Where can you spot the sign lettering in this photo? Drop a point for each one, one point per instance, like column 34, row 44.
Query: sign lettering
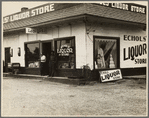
column 64, row 50
column 127, row 6
column 135, row 51
column 30, row 13
column 110, row 75
column 134, row 38
column 132, row 52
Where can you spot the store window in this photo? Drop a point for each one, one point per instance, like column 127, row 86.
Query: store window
column 105, row 55
column 65, row 49
column 32, row 55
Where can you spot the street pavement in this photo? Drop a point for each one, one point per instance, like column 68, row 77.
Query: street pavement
column 36, row 97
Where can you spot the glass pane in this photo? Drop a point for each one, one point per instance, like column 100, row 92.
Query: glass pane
column 105, row 53
column 32, row 55
column 65, row 53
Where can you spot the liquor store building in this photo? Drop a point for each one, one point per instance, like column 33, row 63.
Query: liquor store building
column 103, row 36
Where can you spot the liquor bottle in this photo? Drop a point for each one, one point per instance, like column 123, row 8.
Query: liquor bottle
column 111, row 65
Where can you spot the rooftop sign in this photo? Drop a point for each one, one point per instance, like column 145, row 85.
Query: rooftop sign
column 57, row 6
column 29, row 13
column 127, row 6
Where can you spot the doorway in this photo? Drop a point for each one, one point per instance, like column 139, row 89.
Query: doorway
column 46, row 50
column 7, row 59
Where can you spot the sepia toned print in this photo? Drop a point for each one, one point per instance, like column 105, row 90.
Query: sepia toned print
column 75, row 59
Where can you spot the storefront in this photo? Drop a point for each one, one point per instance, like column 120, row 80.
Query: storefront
column 103, row 36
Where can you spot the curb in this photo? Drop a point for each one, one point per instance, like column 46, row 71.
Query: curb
column 135, row 77
column 53, row 79
column 64, row 80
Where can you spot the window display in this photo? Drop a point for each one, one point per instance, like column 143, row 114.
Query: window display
column 32, row 55
column 65, row 53
column 105, row 53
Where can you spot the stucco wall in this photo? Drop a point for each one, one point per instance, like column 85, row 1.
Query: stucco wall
column 112, row 30
column 83, row 41
column 77, row 30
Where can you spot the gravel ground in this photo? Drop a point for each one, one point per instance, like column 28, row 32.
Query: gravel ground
column 31, row 97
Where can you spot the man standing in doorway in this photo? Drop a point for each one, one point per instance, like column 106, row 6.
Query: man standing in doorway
column 52, row 64
column 43, row 64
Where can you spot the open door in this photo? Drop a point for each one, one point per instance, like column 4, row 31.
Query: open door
column 7, row 58
column 46, row 50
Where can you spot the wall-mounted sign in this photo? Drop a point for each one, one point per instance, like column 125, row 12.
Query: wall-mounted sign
column 31, row 30
column 127, row 6
column 36, row 30
column 42, row 30
column 135, row 52
column 110, row 75
column 134, row 38
column 64, row 50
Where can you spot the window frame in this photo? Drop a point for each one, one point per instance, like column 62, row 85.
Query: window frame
column 118, row 51
column 55, row 48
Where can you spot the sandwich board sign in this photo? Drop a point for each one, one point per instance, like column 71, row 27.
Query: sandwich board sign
column 110, row 75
